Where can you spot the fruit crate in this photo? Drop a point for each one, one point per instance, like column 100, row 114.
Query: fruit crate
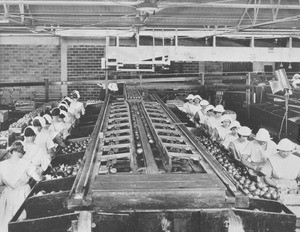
column 25, row 105
column 92, row 109
column 18, row 127
column 63, row 166
column 82, row 131
column 47, row 211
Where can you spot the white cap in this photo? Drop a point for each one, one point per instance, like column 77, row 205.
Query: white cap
column 219, row 108
column 190, row 97
column 197, row 96
column 208, row 108
column 235, row 124
column 296, row 77
column 32, row 128
column 226, row 117
column 63, row 104
column 64, row 113
column 286, row 145
column 244, row 131
column 263, row 135
column 76, row 92
column 204, row 103
column 48, row 118
column 41, row 120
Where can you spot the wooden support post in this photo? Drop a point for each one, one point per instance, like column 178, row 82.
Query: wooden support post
column 46, row 90
column 202, row 79
column 286, row 111
column 105, row 55
column 84, row 221
column 63, row 67
column 248, row 96
column 176, row 38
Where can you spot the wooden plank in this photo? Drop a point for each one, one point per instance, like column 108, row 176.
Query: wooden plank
column 46, row 224
column 163, row 200
column 156, row 186
column 203, row 177
column 115, row 156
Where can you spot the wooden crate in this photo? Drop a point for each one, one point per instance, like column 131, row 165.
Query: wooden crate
column 48, row 212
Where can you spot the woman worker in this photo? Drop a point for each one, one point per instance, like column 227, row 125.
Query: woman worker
column 237, row 146
column 187, row 106
column 282, row 168
column 215, row 120
column 35, row 153
column 219, row 132
column 200, row 113
column 14, row 174
column 257, row 151
column 45, row 138
column 196, row 105
column 76, row 107
column 233, row 135
column 58, row 127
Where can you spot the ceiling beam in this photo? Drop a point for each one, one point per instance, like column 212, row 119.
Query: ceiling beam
column 163, row 4
column 244, row 14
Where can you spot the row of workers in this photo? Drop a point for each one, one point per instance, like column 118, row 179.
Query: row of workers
column 31, row 157
column 276, row 164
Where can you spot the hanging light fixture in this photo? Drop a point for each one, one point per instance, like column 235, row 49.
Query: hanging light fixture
column 281, row 65
column 290, row 66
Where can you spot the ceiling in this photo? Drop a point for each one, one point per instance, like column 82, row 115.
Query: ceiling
column 220, row 16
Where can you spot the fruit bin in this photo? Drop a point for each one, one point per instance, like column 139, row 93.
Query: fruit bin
column 63, row 166
column 82, row 131
column 47, row 212
column 75, row 145
column 93, row 109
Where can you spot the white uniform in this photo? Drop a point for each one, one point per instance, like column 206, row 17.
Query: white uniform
column 77, row 109
column 14, row 175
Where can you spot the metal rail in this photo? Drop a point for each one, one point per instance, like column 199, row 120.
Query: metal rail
column 80, row 186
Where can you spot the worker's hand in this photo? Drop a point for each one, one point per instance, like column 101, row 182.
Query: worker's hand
column 282, row 187
column 258, row 168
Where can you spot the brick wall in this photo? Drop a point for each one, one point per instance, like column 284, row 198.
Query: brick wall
column 215, row 67
column 29, row 63
column 84, row 63
column 185, row 67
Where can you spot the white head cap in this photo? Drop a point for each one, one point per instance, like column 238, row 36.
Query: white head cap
column 48, row 118
column 263, row 135
column 219, row 108
column 226, row 117
column 244, row 131
column 204, row 103
column 208, row 108
column 286, row 145
column 41, row 120
column 235, row 124
column 197, row 96
column 76, row 92
column 296, row 77
column 190, row 97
